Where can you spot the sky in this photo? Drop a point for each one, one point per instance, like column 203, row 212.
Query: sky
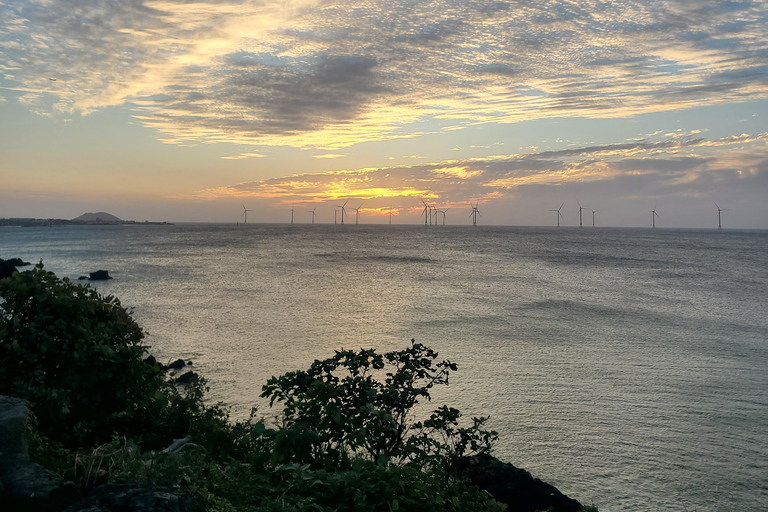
column 192, row 111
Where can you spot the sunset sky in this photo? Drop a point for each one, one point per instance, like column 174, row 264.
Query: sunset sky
column 170, row 110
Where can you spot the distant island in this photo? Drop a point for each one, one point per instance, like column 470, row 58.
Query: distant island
column 86, row 219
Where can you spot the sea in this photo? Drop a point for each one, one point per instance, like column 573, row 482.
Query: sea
column 628, row 367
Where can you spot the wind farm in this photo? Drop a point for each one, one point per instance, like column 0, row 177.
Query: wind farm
column 434, row 215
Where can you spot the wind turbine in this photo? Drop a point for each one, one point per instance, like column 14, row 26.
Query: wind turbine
column 443, row 212
column 245, row 214
column 654, row 215
column 390, row 215
column 343, row 211
column 357, row 213
column 291, row 215
column 719, row 225
column 593, row 215
column 425, row 212
column 312, row 211
column 558, row 214
column 475, row 212
column 580, row 208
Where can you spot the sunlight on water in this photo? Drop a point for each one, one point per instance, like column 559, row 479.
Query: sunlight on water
column 627, row 367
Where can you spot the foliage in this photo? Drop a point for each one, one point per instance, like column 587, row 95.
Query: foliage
column 337, row 410
column 76, row 356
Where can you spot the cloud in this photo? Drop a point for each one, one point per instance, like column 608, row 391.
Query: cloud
column 684, row 166
column 317, row 73
column 329, row 156
column 243, row 156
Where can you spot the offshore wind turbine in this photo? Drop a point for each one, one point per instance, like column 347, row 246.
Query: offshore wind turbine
column 654, row 215
column 357, row 213
column 475, row 212
column 390, row 215
column 426, row 211
column 291, row 215
column 580, row 208
column 443, row 212
column 343, row 211
column 312, row 211
column 245, row 214
column 719, row 225
column 593, row 215
column 558, row 214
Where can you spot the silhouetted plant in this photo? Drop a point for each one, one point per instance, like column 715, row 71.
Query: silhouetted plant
column 76, row 356
column 338, row 410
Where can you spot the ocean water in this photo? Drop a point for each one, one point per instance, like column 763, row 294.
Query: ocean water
column 628, row 367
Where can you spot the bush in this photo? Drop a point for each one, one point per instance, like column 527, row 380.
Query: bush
column 338, row 410
column 76, row 356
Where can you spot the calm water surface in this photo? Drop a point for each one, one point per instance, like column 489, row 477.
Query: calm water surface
column 627, row 367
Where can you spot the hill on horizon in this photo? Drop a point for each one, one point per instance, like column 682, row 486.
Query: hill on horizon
column 97, row 217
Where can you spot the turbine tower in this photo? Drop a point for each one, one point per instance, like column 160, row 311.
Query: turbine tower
column 390, row 215
column 475, row 212
column 426, row 211
column 443, row 212
column 291, row 215
column 558, row 214
column 357, row 213
column 343, row 211
column 719, row 225
column 245, row 214
column 593, row 215
column 654, row 215
column 312, row 211
column 580, row 208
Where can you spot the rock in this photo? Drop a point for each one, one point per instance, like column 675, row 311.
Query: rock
column 181, row 445
column 24, row 485
column 18, row 262
column 187, row 378
column 515, row 487
column 151, row 360
column 13, row 422
column 127, row 498
column 177, row 364
column 99, row 275
column 8, row 267
column 82, row 278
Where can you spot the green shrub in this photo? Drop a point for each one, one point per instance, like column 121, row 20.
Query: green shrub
column 361, row 404
column 76, row 356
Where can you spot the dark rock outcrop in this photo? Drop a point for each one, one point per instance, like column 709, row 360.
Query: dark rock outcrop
column 177, row 364
column 8, row 267
column 99, row 275
column 515, row 487
column 187, row 378
column 24, row 485
column 127, row 498
column 152, row 361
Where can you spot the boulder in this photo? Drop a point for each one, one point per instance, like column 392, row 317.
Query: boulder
column 187, row 378
column 127, row 498
column 8, row 267
column 24, row 485
column 99, row 275
column 515, row 487
column 177, row 364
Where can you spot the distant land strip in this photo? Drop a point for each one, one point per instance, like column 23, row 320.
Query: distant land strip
column 87, row 219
